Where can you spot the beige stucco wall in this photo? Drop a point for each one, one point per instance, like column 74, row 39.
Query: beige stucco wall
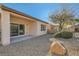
column 18, row 20
column 5, row 27
column 33, row 29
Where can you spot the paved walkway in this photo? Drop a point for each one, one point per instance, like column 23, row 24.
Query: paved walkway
column 31, row 47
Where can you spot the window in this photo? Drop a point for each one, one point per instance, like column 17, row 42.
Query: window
column 17, row 29
column 21, row 29
column 43, row 27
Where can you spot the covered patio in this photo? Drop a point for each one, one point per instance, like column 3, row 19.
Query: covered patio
column 15, row 27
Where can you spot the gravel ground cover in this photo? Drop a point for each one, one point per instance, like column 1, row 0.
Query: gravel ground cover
column 37, row 46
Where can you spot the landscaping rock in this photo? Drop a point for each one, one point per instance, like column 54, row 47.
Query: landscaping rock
column 57, row 48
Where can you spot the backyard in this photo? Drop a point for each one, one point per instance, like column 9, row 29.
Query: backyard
column 39, row 46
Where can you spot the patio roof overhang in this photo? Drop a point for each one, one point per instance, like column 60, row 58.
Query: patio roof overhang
column 20, row 14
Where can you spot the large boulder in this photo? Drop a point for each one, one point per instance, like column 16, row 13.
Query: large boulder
column 56, row 48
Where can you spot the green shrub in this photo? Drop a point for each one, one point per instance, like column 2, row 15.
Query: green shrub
column 64, row 34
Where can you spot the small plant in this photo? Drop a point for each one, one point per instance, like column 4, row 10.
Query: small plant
column 64, row 34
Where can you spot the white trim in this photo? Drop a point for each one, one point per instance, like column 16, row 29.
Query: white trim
column 17, row 36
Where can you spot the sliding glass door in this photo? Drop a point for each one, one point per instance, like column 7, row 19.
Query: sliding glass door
column 14, row 29
column 17, row 29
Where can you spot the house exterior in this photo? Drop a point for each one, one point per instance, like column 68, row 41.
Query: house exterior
column 77, row 27
column 14, row 23
column 68, row 26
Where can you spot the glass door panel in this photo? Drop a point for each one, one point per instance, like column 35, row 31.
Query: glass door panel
column 14, row 29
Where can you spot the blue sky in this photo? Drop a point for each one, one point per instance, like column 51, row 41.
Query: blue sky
column 38, row 10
